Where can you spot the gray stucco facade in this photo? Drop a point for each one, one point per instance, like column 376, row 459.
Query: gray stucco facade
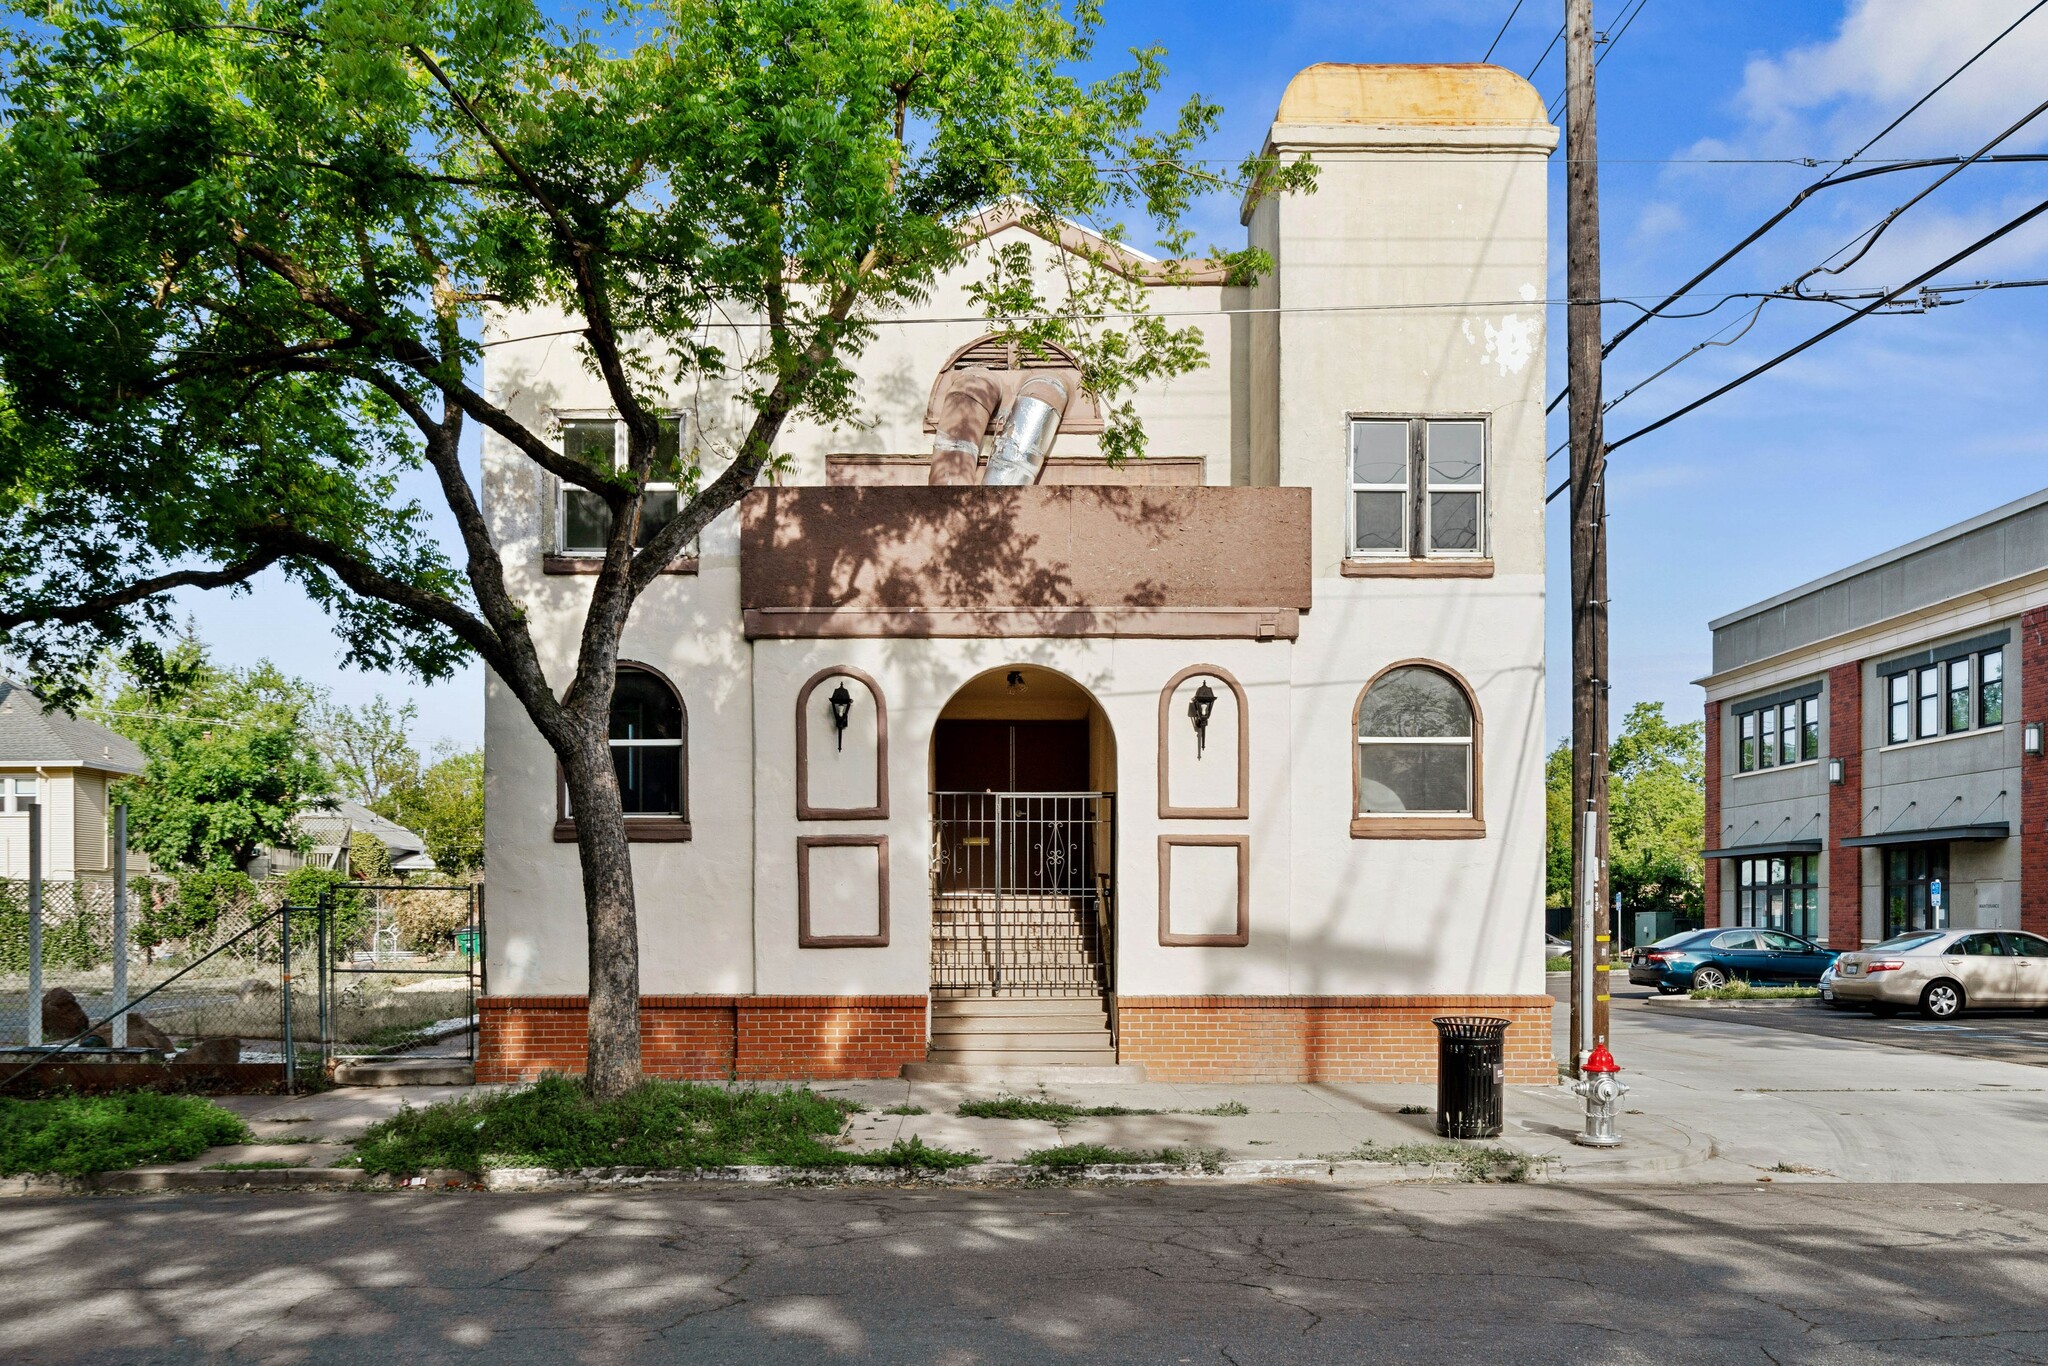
column 1866, row 732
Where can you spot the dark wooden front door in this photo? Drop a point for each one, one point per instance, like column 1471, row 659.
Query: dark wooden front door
column 1010, row 756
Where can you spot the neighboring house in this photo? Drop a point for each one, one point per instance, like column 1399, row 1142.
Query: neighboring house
column 62, row 764
column 1871, row 768
column 914, row 772
column 328, row 831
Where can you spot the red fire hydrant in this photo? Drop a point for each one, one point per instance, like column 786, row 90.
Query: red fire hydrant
column 1603, row 1092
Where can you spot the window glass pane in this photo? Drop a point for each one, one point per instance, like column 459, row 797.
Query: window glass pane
column 1959, row 694
column 1376, row 523
column 1788, row 743
column 1426, row 778
column 593, row 443
column 1454, row 521
column 668, row 447
column 1379, row 453
column 1930, row 701
column 1746, row 870
column 650, row 778
column 1991, row 689
column 644, row 709
column 1811, row 731
column 1414, row 702
column 1457, row 452
column 657, row 510
column 1736, row 939
column 2029, row 945
column 586, row 521
column 1767, row 739
column 1748, row 759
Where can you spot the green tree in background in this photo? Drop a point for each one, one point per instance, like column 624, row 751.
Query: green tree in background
column 443, row 803
column 231, row 760
column 1656, row 794
column 368, row 747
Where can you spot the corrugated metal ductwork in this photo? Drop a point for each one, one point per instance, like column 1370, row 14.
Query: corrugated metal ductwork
column 1029, row 405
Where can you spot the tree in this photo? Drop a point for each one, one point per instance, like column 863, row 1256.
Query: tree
column 444, row 805
column 368, row 748
column 1656, row 813
column 231, row 762
column 247, row 245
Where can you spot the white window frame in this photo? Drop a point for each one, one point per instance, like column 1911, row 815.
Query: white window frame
column 567, row 419
column 1417, row 533
column 12, row 791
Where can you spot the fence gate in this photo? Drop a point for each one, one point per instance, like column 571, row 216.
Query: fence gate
column 1023, row 893
column 401, row 966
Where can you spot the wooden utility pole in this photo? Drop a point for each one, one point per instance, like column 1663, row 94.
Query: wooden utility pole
column 1592, row 931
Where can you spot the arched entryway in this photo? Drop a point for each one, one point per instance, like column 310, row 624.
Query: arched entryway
column 1023, row 769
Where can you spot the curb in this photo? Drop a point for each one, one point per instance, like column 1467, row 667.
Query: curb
column 1779, row 1002
column 159, row 1182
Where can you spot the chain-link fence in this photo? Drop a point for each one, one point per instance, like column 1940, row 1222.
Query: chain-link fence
column 211, row 950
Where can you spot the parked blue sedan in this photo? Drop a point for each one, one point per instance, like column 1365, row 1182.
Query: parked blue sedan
column 1704, row 959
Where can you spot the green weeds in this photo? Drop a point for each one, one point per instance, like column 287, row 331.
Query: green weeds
column 1743, row 991
column 80, row 1135
column 657, row 1124
column 262, row 1164
column 1470, row 1162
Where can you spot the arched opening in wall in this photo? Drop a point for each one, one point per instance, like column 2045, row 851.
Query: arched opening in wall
column 1023, row 769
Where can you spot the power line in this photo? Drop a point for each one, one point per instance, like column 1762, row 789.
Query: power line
column 1929, row 298
column 1830, row 178
column 1607, row 45
column 1889, row 296
column 1503, row 31
column 1546, row 54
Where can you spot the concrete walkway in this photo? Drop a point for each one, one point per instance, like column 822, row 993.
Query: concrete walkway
column 1712, row 1100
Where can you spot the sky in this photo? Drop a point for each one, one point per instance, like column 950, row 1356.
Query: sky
column 1898, row 426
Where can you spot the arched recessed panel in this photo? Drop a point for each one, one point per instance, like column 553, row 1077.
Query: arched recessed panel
column 1206, row 774
column 842, row 773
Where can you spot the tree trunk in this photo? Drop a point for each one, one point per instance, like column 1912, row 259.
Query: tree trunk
column 612, row 1064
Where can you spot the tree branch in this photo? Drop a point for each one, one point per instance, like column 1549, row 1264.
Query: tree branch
column 85, row 609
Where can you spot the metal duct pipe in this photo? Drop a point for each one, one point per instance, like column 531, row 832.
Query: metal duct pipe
column 1018, row 457
column 967, row 403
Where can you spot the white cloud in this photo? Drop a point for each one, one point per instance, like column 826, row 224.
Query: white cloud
column 1887, row 54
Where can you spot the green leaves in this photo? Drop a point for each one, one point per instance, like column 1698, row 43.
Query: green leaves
column 1656, row 813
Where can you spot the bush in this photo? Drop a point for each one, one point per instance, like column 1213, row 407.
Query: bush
column 428, row 916
column 353, row 914
column 659, row 1124
column 80, row 1135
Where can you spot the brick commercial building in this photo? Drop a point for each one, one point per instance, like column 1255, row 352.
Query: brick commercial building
column 1874, row 742
column 1224, row 764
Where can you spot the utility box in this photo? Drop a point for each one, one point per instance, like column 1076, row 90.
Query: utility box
column 1650, row 926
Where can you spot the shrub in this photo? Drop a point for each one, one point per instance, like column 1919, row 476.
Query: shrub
column 80, row 1135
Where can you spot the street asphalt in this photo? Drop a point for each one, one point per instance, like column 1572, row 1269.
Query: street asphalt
column 1265, row 1274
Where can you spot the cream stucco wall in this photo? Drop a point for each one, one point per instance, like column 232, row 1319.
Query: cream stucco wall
column 1410, row 283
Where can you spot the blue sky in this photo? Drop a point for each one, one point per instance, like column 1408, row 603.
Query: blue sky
column 1898, row 426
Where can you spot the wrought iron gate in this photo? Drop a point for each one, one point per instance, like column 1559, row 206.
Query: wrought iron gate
column 1023, row 893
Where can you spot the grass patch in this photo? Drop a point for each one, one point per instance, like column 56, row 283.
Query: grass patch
column 1471, row 1162
column 1413, row 1110
column 657, row 1124
column 261, row 1164
column 1055, row 1111
column 1558, row 963
column 905, row 1110
column 1743, row 991
column 1072, row 1157
column 1228, row 1109
column 80, row 1135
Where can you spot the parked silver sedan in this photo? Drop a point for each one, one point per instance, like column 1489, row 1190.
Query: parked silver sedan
column 1942, row 971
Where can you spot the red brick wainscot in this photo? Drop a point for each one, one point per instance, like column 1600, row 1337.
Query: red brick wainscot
column 711, row 1038
column 1319, row 1038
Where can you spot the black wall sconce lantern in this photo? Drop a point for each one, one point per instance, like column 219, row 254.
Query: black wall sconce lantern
column 1199, row 708
column 842, row 711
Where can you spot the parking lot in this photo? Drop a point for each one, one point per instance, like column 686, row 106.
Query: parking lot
column 2019, row 1036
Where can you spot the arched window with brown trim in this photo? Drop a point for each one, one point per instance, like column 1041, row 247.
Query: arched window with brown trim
column 649, row 736
column 1416, row 770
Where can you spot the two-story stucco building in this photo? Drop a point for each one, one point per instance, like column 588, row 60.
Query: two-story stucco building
column 1869, row 767
column 1226, row 764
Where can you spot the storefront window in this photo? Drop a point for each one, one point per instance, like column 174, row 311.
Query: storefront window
column 1779, row 893
column 1916, row 895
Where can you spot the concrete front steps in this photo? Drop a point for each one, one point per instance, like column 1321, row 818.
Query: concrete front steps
column 1025, row 1040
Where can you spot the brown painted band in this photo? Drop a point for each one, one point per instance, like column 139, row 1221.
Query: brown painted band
column 1416, row 569
column 1155, row 623
column 651, row 830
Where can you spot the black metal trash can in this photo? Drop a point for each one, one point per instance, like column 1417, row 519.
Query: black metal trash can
column 1469, row 1073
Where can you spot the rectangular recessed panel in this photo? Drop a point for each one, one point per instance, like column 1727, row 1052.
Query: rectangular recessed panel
column 1202, row 881
column 844, row 885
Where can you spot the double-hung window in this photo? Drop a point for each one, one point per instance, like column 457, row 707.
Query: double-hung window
column 1418, row 488
column 1953, row 694
column 583, row 521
